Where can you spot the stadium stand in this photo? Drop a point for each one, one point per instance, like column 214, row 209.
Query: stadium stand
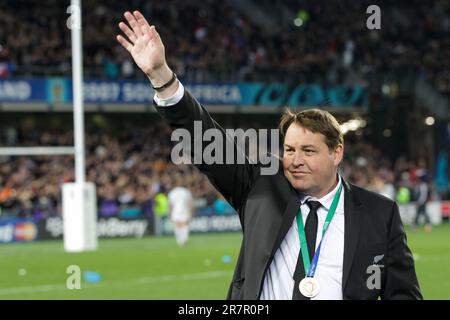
column 214, row 41
column 209, row 41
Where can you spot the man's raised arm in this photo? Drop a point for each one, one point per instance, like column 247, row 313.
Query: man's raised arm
column 181, row 110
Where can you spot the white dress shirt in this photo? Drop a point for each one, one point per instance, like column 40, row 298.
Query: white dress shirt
column 279, row 282
column 174, row 99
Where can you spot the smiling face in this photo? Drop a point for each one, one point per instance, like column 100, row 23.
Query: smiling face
column 308, row 163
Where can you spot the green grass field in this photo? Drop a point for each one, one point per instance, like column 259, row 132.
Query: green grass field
column 155, row 268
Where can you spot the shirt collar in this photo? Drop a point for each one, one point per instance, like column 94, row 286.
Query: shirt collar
column 326, row 200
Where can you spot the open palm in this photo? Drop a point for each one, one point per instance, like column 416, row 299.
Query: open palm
column 144, row 43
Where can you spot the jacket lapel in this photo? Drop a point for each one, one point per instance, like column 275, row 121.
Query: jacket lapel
column 353, row 213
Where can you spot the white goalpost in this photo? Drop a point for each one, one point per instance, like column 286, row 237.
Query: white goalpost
column 36, row 151
column 79, row 200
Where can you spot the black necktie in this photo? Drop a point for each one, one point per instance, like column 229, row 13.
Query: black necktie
column 311, row 235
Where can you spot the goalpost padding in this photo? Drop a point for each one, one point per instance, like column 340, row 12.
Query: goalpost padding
column 79, row 217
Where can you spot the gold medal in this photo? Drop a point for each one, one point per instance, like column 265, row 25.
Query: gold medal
column 309, row 287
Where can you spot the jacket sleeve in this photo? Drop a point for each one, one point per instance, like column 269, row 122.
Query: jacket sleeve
column 401, row 280
column 233, row 180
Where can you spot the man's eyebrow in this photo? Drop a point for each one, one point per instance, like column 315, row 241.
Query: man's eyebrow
column 304, row 146
column 308, row 146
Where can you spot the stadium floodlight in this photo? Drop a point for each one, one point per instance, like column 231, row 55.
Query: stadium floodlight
column 79, row 198
column 429, row 121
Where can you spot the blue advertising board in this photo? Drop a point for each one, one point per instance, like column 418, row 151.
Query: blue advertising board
column 58, row 90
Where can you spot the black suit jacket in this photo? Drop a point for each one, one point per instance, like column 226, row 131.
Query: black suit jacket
column 268, row 204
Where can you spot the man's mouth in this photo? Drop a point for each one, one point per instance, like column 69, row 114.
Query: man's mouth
column 299, row 173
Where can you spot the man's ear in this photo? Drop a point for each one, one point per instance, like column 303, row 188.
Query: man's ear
column 338, row 154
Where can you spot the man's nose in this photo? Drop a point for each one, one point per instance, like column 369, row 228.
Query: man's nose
column 298, row 160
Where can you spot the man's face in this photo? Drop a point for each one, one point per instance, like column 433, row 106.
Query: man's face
column 309, row 165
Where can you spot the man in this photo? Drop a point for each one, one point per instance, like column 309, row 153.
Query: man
column 180, row 212
column 363, row 254
column 421, row 191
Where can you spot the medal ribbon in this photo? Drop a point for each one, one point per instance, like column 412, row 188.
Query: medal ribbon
column 310, row 267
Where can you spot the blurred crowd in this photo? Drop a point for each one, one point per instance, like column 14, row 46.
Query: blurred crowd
column 131, row 169
column 367, row 166
column 216, row 41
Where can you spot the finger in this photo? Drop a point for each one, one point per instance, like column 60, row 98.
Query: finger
column 126, row 29
column 124, row 43
column 133, row 23
column 147, row 30
column 153, row 33
column 142, row 22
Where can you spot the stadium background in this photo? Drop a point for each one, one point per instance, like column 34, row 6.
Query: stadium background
column 245, row 60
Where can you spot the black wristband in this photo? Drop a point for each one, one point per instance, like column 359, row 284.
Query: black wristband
column 172, row 80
